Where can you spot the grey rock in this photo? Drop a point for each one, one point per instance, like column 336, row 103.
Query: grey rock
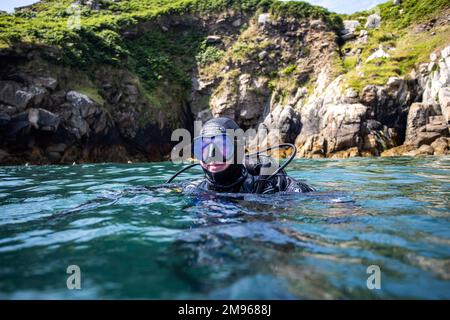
column 441, row 146
column 426, row 138
column 285, row 122
column 350, row 26
column 243, row 99
column 435, row 76
column 78, row 126
column 38, row 94
column 330, row 128
column 418, row 117
column 348, row 36
column 11, row 93
column 10, row 110
column 263, row 18
column 444, row 101
column 424, row 150
column 83, row 103
column 262, row 55
column 373, row 21
column 442, row 129
column 46, row 82
column 237, row 23
column 213, row 39
column 379, row 54
column 43, row 120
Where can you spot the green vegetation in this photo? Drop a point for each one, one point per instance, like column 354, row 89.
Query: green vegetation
column 414, row 11
column 406, row 46
column 208, row 54
column 129, row 34
column 302, row 10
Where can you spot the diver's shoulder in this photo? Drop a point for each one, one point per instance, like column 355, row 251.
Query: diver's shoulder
column 298, row 186
column 195, row 185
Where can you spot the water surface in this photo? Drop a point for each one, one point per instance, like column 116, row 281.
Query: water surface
column 130, row 242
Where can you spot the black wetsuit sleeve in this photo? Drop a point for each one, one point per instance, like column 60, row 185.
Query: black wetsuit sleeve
column 283, row 183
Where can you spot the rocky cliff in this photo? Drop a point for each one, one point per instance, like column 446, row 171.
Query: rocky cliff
column 116, row 86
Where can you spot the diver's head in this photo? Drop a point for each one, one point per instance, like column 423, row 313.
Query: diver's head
column 219, row 152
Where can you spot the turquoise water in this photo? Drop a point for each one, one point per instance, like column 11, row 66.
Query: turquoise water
column 130, row 242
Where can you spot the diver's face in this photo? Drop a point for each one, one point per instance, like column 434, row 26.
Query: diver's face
column 214, row 167
column 215, row 153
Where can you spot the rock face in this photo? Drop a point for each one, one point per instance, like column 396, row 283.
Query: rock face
column 373, row 21
column 243, row 89
column 244, row 102
column 44, row 121
column 274, row 73
column 330, row 129
column 428, row 126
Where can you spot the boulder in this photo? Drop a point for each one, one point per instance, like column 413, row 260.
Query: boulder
column 263, row 18
column 398, row 151
column 11, row 93
column 46, row 82
column 43, row 120
column 348, row 36
column 350, row 26
column 284, row 120
column 418, row 117
column 441, row 146
column 82, row 102
column 213, row 39
column 38, row 94
column 379, row 54
column 425, row 138
column 424, row 150
column 262, row 55
column 78, row 126
column 330, row 128
column 444, row 101
column 373, row 21
column 9, row 110
column 237, row 23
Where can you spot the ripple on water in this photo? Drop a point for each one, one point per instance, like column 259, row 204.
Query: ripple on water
column 136, row 243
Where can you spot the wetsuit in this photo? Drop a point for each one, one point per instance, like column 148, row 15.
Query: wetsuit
column 242, row 176
column 249, row 184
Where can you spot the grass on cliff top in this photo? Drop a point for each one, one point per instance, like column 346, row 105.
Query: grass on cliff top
column 161, row 60
column 47, row 21
column 408, row 13
column 406, row 47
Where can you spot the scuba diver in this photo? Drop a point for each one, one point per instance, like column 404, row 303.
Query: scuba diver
column 227, row 169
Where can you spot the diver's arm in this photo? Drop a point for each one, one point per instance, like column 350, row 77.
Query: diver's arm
column 283, row 183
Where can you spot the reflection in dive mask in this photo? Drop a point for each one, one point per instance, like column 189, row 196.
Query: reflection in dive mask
column 218, row 148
